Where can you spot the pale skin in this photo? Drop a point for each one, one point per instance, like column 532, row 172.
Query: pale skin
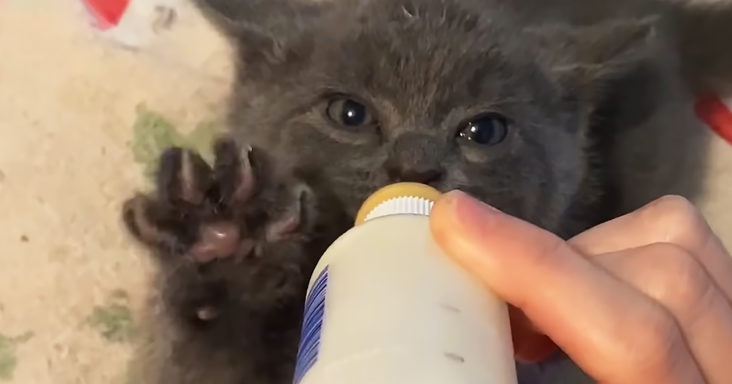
column 644, row 298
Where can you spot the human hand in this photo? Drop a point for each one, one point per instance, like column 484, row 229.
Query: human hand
column 644, row 298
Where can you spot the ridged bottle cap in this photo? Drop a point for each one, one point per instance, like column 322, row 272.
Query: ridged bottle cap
column 398, row 199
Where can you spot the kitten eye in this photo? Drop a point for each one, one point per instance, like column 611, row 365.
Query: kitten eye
column 348, row 113
column 486, row 129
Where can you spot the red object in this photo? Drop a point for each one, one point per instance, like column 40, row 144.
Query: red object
column 716, row 114
column 106, row 13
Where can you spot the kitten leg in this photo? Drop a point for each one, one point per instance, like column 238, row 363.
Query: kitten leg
column 201, row 214
column 234, row 249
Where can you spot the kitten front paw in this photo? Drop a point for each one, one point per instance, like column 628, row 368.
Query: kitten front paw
column 227, row 237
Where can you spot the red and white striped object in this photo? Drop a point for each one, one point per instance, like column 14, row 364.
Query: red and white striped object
column 133, row 23
column 716, row 112
column 106, row 14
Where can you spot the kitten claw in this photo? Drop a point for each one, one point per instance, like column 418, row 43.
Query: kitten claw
column 136, row 219
column 247, row 187
column 282, row 228
column 183, row 177
column 292, row 221
column 234, row 170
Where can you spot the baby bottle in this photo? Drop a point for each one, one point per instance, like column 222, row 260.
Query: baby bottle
column 385, row 305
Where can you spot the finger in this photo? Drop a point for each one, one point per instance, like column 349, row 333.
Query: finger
column 671, row 219
column 675, row 279
column 579, row 305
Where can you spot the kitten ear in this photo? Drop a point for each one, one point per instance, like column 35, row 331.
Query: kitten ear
column 262, row 26
column 583, row 58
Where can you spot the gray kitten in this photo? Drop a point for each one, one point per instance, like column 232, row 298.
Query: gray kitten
column 562, row 112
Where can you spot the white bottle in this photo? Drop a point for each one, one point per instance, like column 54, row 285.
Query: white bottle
column 387, row 306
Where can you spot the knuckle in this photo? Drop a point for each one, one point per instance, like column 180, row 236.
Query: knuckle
column 673, row 203
column 677, row 214
column 657, row 343
column 546, row 252
column 681, row 282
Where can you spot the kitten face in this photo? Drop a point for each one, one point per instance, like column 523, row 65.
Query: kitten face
column 365, row 93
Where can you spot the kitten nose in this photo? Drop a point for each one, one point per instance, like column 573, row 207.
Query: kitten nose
column 415, row 157
column 424, row 176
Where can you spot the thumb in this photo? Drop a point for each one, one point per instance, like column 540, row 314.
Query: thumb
column 566, row 296
column 460, row 239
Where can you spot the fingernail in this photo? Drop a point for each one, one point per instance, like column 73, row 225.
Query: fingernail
column 469, row 210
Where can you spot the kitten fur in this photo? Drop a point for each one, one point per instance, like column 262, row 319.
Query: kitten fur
column 597, row 97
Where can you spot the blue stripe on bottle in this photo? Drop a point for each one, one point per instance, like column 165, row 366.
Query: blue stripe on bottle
column 307, row 352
